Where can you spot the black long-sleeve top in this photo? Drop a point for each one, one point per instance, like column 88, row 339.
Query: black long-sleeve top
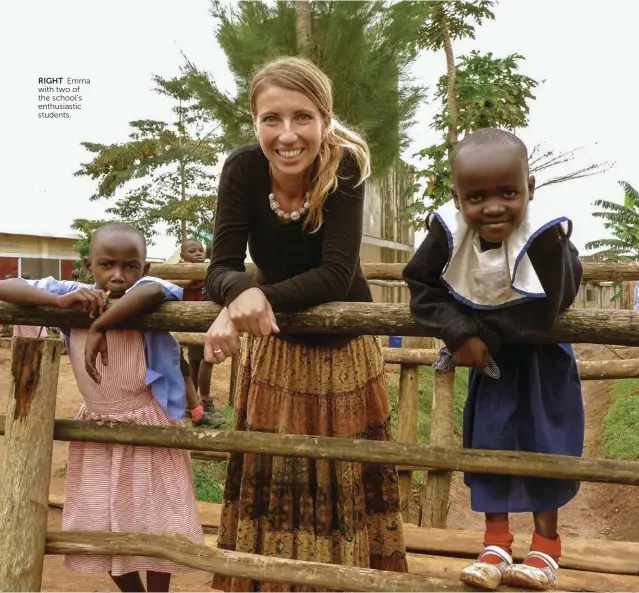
column 297, row 269
column 555, row 260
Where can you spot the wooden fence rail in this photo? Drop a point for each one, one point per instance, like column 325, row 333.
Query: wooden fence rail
column 238, row 564
column 594, row 326
column 361, row 451
column 588, row 369
column 593, row 271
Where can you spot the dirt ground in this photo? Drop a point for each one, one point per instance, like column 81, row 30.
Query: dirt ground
column 599, row 511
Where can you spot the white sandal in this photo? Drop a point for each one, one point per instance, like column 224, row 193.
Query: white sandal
column 531, row 577
column 483, row 575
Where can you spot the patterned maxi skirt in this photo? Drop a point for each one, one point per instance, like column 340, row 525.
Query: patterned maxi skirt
column 333, row 512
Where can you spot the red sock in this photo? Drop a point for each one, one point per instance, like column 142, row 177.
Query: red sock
column 552, row 547
column 497, row 534
column 197, row 413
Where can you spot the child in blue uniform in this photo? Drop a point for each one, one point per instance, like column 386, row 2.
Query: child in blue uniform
column 495, row 267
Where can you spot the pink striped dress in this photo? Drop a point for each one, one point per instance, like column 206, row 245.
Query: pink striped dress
column 122, row 488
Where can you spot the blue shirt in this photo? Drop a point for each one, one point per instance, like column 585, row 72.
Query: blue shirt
column 163, row 352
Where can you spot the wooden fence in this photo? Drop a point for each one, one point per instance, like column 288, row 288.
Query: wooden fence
column 30, row 428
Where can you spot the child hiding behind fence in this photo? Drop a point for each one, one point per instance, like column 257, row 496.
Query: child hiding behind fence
column 197, row 372
column 124, row 376
column 493, row 269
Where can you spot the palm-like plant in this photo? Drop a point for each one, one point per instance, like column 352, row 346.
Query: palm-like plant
column 622, row 220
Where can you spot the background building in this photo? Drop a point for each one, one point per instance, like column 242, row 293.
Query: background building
column 38, row 254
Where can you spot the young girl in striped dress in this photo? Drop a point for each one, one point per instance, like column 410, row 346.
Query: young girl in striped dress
column 135, row 380
column 494, row 269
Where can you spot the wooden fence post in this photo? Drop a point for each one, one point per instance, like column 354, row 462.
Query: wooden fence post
column 235, row 361
column 407, row 404
column 24, row 491
column 435, row 491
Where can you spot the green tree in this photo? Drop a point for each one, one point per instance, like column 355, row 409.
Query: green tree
column 446, row 21
column 366, row 48
column 491, row 92
column 85, row 228
column 622, row 221
column 165, row 168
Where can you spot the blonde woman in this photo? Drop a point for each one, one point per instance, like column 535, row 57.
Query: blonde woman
column 297, row 198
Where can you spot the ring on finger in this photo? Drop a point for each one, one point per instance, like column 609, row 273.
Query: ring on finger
column 217, row 351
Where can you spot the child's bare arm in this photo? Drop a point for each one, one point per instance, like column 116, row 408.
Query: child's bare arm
column 19, row 292
column 137, row 300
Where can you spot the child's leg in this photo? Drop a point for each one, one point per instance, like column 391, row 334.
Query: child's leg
column 539, row 569
column 129, row 582
column 545, row 539
column 157, row 582
column 546, row 523
column 497, row 534
column 194, row 371
column 192, row 400
column 204, row 381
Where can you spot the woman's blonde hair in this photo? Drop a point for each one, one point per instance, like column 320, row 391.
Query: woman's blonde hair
column 301, row 75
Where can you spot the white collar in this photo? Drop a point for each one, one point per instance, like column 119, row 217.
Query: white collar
column 498, row 277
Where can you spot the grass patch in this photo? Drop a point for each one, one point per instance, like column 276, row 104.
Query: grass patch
column 620, row 434
column 209, row 480
column 426, row 402
column 210, row 475
column 227, row 411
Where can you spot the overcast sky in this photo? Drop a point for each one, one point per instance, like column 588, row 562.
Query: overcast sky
column 587, row 55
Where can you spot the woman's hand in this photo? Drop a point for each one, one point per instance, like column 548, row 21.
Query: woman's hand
column 222, row 340
column 93, row 301
column 96, row 343
column 252, row 313
column 472, row 353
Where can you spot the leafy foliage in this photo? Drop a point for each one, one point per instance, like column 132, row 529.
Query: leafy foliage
column 460, row 18
column 491, row 92
column 166, row 168
column 366, row 49
column 622, row 220
column 86, row 229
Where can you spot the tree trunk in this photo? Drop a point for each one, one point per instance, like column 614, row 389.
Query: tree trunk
column 303, row 17
column 182, row 174
column 452, row 75
column 183, row 195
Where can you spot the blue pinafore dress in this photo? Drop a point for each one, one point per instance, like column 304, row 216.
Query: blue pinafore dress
column 536, row 402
